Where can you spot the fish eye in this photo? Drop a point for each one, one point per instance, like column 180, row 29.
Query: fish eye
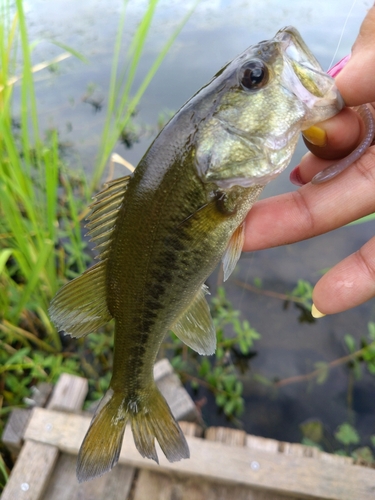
column 254, row 75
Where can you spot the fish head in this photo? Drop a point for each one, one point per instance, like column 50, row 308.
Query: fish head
column 256, row 106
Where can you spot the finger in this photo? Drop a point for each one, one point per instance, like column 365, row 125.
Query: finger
column 355, row 82
column 349, row 283
column 343, row 134
column 313, row 209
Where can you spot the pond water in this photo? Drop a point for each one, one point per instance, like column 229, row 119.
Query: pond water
column 216, row 32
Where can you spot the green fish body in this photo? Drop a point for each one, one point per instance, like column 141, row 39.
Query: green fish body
column 161, row 232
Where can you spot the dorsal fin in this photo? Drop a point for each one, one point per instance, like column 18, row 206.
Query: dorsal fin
column 233, row 251
column 80, row 307
column 103, row 215
column 195, row 327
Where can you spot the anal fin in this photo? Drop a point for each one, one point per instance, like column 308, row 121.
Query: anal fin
column 195, row 327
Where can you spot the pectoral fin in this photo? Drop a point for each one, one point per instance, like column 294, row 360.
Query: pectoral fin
column 195, row 327
column 233, row 251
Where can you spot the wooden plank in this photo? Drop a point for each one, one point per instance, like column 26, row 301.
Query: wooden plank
column 261, row 443
column 36, row 462
column 69, row 394
column 14, row 430
column 232, row 437
column 329, row 457
column 64, row 485
column 178, row 399
column 299, row 450
column 155, row 486
column 191, row 429
column 31, row 473
column 15, row 427
column 297, row 476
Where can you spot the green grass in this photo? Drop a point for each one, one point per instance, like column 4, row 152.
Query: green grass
column 42, row 207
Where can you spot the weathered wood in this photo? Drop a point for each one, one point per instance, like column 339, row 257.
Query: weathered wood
column 289, row 475
column 14, row 429
column 40, row 394
column 31, row 472
column 178, row 399
column 63, row 484
column 261, row 443
column 155, row 486
column 232, row 437
column 69, row 394
column 329, row 457
column 298, row 450
column 13, row 433
column 36, row 461
column 191, row 429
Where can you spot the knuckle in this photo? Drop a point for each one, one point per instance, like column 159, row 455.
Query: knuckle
column 305, row 212
column 366, row 264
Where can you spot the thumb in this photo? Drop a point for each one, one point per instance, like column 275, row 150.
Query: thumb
column 356, row 82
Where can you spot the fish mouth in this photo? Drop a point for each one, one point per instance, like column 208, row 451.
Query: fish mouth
column 304, row 77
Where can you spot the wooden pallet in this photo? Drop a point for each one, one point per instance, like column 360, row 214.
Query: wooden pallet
column 227, row 464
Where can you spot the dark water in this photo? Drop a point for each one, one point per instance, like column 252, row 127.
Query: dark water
column 217, row 31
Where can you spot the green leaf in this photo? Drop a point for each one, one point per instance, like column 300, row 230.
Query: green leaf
column 238, row 388
column 312, row 430
column 204, row 368
column 221, row 400
column 341, row 453
column 4, row 256
column 350, row 343
column 194, row 385
column 18, row 356
column 308, row 442
column 229, row 407
column 347, row 434
column 363, row 454
column 323, row 369
column 371, row 330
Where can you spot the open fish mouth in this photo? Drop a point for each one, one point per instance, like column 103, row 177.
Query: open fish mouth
column 303, row 76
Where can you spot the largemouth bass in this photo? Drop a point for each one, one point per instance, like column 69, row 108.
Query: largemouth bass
column 161, row 232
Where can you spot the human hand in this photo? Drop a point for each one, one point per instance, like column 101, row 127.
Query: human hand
column 317, row 209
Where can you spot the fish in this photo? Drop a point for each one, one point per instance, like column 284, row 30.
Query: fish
column 161, row 231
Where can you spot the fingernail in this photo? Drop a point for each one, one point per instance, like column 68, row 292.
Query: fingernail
column 295, row 177
column 315, row 313
column 315, row 135
column 335, row 70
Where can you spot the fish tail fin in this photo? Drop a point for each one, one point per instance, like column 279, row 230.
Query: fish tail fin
column 101, row 446
column 154, row 419
column 150, row 419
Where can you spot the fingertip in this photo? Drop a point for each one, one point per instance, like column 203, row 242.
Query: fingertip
column 315, row 313
column 295, row 177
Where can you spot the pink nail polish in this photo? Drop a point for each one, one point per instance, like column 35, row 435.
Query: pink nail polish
column 295, row 177
column 335, row 70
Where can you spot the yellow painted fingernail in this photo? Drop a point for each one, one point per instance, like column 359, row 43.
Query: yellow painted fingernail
column 316, row 313
column 316, row 135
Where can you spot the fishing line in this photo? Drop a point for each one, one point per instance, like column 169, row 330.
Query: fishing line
column 342, row 33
